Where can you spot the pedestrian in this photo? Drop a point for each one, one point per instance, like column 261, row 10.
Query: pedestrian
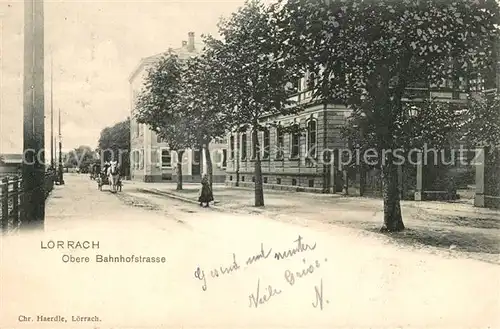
column 206, row 194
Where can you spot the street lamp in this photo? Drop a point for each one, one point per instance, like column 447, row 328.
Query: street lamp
column 413, row 111
column 61, row 178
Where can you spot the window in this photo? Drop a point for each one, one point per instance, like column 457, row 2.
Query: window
column 300, row 82
column 311, row 138
column 196, row 157
column 312, row 80
column 224, row 158
column 279, row 143
column 166, row 159
column 265, row 154
column 217, row 140
column 278, row 181
column 141, row 160
column 231, row 146
column 243, row 146
column 254, row 146
column 294, row 85
column 265, row 180
column 295, row 145
column 294, row 181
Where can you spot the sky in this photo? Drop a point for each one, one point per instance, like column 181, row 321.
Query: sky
column 95, row 45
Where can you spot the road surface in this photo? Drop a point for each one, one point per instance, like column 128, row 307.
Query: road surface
column 221, row 271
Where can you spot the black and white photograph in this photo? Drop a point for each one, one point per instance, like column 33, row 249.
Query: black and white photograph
column 250, row 164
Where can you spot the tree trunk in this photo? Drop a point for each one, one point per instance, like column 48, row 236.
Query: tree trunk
column 393, row 220
column 210, row 169
column 259, row 190
column 180, row 155
column 362, row 179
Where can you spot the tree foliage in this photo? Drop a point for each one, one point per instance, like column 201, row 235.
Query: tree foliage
column 81, row 157
column 160, row 103
column 365, row 54
column 114, row 144
column 254, row 75
column 481, row 121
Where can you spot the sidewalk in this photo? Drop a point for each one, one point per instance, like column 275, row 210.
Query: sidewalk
column 447, row 225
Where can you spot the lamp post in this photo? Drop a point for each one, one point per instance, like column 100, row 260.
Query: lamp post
column 61, row 178
column 52, row 161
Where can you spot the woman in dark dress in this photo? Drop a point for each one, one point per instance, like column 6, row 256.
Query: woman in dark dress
column 206, row 194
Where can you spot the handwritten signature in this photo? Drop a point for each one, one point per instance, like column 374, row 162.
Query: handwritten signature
column 291, row 277
column 319, row 296
column 256, row 299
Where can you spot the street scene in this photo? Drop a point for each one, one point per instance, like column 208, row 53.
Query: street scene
column 364, row 276
column 247, row 164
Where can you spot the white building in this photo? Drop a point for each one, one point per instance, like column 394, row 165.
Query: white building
column 150, row 158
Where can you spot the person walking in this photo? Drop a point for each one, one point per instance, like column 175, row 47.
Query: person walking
column 206, row 194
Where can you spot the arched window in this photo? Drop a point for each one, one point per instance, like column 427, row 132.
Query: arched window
column 295, row 144
column 312, row 137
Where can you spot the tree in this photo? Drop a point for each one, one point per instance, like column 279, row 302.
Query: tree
column 81, row 158
column 160, row 106
column 205, row 100
column 367, row 53
column 481, row 121
column 254, row 77
column 114, row 143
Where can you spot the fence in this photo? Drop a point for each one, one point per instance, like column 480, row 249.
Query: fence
column 12, row 200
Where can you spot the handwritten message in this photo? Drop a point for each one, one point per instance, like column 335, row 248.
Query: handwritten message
column 262, row 295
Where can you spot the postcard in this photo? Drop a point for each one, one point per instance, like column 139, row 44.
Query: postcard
column 249, row 164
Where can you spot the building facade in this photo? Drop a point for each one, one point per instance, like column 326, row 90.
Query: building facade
column 293, row 160
column 150, row 158
column 300, row 162
column 11, row 164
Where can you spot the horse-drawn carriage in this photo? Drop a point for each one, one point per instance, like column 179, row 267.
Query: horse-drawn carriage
column 110, row 175
column 95, row 170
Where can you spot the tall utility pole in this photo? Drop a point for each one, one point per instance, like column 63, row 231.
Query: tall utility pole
column 1, row 77
column 52, row 164
column 61, row 178
column 34, row 122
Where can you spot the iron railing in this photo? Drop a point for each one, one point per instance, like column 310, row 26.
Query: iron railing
column 12, row 200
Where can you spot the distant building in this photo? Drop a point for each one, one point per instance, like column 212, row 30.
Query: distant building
column 150, row 158
column 10, row 164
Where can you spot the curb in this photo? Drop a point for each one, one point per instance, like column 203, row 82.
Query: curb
column 177, row 197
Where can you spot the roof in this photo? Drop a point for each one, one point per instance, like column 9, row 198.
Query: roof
column 182, row 52
column 10, row 158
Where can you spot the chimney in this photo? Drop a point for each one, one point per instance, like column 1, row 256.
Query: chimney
column 184, row 43
column 190, row 41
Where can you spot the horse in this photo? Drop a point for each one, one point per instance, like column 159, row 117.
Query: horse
column 114, row 176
